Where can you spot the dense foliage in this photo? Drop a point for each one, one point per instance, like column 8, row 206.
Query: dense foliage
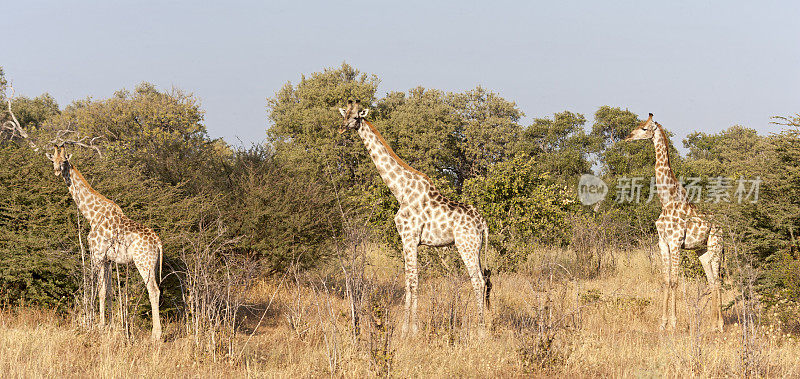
column 292, row 199
column 521, row 203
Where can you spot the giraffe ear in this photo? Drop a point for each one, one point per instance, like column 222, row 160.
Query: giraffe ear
column 49, row 156
column 69, row 156
column 363, row 113
column 342, row 111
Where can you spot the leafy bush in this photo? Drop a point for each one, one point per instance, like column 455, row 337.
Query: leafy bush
column 281, row 219
column 35, row 279
column 37, row 224
column 521, row 205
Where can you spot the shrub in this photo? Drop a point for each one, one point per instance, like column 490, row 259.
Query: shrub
column 521, row 205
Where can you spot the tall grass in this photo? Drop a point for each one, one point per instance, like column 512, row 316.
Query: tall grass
column 545, row 322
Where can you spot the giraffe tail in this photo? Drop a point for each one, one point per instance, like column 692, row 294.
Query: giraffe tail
column 487, row 273
column 160, row 263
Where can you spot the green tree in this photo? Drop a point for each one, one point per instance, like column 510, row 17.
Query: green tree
column 37, row 253
column 283, row 218
column 160, row 131
column 421, row 128
column 305, row 120
column 737, row 151
column 612, row 125
column 304, row 133
column 783, row 182
column 560, row 145
column 450, row 136
column 775, row 224
column 34, row 112
column 521, row 205
column 487, row 133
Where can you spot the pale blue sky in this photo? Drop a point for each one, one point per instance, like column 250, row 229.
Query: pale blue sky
column 697, row 65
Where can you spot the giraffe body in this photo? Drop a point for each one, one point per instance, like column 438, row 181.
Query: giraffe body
column 113, row 237
column 680, row 225
column 425, row 216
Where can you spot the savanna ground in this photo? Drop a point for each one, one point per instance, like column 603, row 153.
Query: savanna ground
column 543, row 323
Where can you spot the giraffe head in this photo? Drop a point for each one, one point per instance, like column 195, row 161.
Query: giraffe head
column 353, row 115
column 645, row 130
column 60, row 160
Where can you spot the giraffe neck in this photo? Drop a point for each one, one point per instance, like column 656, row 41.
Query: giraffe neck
column 90, row 202
column 394, row 172
column 667, row 185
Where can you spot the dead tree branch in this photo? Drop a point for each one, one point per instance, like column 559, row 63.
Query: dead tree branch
column 72, row 137
column 62, row 137
column 13, row 125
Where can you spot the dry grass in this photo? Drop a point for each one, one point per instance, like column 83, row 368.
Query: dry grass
column 543, row 324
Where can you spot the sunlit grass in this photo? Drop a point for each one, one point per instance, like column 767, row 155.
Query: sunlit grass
column 612, row 331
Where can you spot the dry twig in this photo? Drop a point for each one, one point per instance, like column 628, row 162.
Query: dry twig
column 62, row 137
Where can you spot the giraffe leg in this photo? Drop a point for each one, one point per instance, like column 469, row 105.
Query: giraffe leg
column 665, row 261
column 674, row 255
column 147, row 270
column 410, row 237
column 711, row 261
column 665, row 304
column 104, row 284
column 412, row 283
column 98, row 248
column 469, row 245
column 673, row 318
column 101, row 291
column 154, row 293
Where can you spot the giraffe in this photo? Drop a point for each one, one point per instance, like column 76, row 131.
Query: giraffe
column 113, row 237
column 425, row 216
column 680, row 225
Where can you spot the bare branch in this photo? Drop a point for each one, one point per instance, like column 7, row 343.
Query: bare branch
column 14, row 126
column 788, row 121
column 72, row 137
column 63, row 136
